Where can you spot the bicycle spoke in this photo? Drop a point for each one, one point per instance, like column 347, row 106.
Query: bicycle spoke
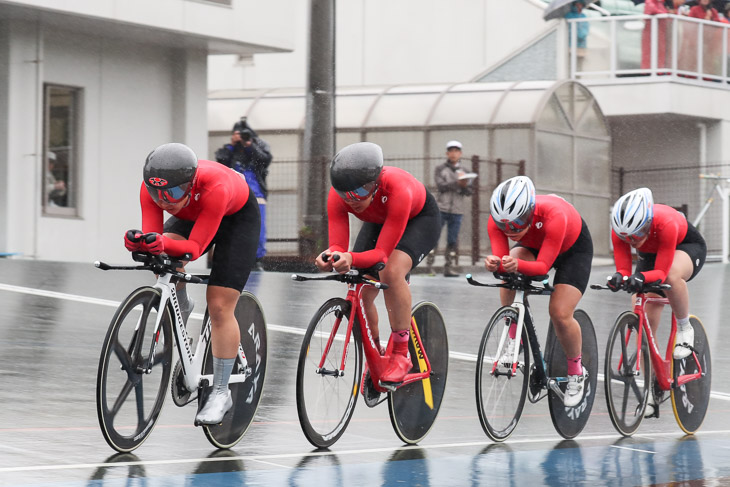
column 123, row 394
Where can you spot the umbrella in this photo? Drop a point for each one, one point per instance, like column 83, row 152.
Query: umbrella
column 558, row 8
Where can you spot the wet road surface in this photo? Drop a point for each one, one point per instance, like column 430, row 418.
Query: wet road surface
column 54, row 316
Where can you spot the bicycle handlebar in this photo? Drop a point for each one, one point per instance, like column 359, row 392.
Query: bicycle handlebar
column 516, row 281
column 353, row 276
column 651, row 287
column 159, row 264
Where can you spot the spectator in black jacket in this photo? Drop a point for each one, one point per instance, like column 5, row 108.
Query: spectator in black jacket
column 251, row 156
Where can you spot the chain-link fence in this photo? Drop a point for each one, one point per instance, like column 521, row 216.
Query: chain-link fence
column 683, row 189
column 284, row 213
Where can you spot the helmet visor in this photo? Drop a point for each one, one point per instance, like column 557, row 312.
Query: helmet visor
column 358, row 194
column 515, row 226
column 633, row 239
column 172, row 195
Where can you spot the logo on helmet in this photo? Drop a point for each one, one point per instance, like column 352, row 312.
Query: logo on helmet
column 157, row 182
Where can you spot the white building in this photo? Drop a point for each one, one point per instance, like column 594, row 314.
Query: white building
column 668, row 113
column 87, row 89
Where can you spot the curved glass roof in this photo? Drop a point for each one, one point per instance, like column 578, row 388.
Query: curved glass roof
column 382, row 107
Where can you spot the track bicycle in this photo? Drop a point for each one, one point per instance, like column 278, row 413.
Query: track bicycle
column 329, row 372
column 632, row 354
column 503, row 384
column 136, row 360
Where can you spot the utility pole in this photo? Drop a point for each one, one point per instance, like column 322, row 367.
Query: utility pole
column 319, row 131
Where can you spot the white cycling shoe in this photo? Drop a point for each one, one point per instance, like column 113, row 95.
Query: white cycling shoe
column 683, row 342
column 214, row 410
column 575, row 389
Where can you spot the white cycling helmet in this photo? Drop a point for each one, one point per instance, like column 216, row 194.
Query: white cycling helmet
column 513, row 203
column 632, row 214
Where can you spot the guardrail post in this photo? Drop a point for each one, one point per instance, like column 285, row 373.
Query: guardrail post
column 475, row 214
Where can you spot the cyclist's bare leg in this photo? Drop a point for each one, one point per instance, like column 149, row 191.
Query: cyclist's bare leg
column 678, row 295
column 398, row 304
column 563, row 302
column 225, row 334
column 225, row 338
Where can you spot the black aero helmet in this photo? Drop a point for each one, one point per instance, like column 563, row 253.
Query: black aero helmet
column 169, row 172
column 355, row 170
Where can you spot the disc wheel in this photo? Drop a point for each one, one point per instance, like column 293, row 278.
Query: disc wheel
column 691, row 400
column 326, row 394
column 413, row 407
column 134, row 370
column 626, row 386
column 570, row 421
column 245, row 395
column 501, row 395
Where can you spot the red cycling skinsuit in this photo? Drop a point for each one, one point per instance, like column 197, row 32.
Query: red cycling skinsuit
column 218, row 191
column 555, row 227
column 668, row 230
column 400, row 197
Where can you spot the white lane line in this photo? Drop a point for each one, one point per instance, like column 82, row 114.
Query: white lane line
column 633, row 449
column 263, row 458
column 467, row 357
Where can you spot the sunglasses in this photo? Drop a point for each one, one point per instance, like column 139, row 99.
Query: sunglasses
column 358, row 194
column 172, row 195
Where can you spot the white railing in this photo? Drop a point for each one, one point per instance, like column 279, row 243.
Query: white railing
column 681, row 47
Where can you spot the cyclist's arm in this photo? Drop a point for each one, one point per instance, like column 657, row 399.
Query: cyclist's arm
column 621, row 255
column 497, row 240
column 549, row 249
column 399, row 209
column 665, row 254
column 152, row 219
column 338, row 223
column 205, row 227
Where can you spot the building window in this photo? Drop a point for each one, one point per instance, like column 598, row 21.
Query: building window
column 61, row 150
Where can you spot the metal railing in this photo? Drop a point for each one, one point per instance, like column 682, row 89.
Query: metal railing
column 688, row 49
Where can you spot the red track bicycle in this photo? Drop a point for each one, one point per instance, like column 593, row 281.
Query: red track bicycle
column 632, row 352
column 329, row 372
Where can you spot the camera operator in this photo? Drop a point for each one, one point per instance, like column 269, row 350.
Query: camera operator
column 250, row 155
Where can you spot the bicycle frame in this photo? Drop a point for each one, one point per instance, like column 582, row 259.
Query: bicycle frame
column 662, row 366
column 375, row 361
column 192, row 363
column 524, row 319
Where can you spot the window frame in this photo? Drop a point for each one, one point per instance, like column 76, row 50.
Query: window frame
column 73, row 148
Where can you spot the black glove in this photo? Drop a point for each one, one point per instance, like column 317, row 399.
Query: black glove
column 635, row 283
column 615, row 282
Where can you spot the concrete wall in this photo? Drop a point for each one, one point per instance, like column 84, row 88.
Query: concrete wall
column 135, row 97
column 385, row 42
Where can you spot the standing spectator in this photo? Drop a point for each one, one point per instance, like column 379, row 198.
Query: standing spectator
column 711, row 38
column 656, row 7
column 251, row 156
column 576, row 12
column 453, row 188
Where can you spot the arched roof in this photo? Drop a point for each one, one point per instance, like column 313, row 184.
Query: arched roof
column 381, row 107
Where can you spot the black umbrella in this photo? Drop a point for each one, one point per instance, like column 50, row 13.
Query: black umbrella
column 558, row 8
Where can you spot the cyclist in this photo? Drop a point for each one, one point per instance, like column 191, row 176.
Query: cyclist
column 209, row 203
column 549, row 232
column 670, row 250
column 402, row 223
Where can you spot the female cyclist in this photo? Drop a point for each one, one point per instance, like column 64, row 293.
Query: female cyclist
column 209, row 203
column 402, row 223
column 670, row 250
column 549, row 233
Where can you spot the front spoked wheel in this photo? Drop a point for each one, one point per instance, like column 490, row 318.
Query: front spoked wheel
column 246, row 395
column 500, row 394
column 327, row 391
column 134, row 370
column 414, row 407
column 627, row 374
column 570, row 421
column 691, row 400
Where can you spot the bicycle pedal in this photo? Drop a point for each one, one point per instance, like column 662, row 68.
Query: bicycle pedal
column 390, row 386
